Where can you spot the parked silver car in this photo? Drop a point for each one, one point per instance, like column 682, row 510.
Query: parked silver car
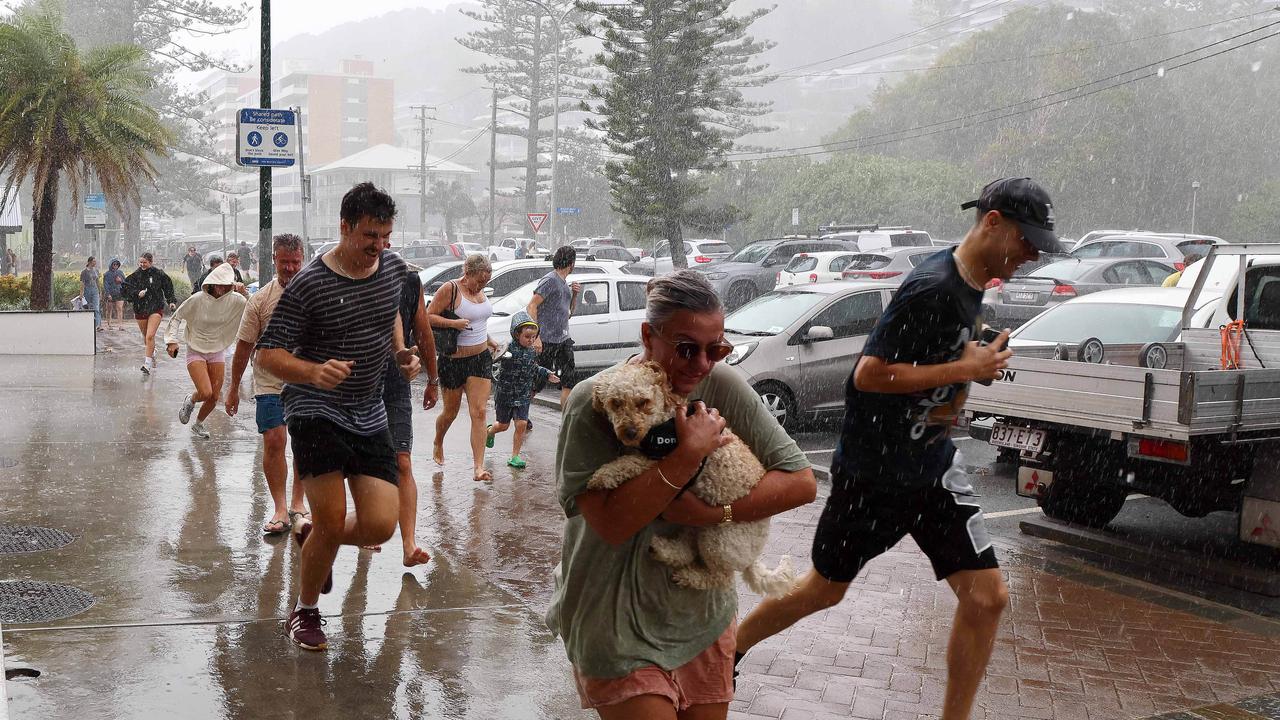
column 753, row 270
column 1023, row 297
column 1146, row 245
column 891, row 264
column 797, row 345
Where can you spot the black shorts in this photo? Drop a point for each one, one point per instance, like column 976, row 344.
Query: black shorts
column 320, row 447
column 455, row 371
column 864, row 519
column 558, row 358
column 399, row 403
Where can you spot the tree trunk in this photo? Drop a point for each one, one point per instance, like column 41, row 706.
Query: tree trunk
column 675, row 236
column 535, row 107
column 45, row 209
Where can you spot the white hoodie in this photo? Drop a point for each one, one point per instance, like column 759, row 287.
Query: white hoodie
column 212, row 323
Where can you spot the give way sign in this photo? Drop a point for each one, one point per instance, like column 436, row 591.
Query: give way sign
column 536, row 220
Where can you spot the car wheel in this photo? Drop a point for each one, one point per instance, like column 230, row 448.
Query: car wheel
column 781, row 405
column 740, row 294
column 1076, row 498
column 493, row 258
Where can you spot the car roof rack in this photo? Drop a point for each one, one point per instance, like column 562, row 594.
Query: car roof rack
column 842, row 228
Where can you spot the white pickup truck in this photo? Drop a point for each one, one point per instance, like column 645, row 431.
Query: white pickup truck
column 1090, row 425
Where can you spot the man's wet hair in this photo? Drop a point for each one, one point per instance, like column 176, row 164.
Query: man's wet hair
column 148, row 257
column 565, row 256
column 366, row 201
column 288, row 242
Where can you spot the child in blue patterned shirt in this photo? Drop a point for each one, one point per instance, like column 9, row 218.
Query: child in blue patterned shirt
column 516, row 379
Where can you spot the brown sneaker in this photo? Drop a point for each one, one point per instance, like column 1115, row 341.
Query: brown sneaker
column 301, row 536
column 304, row 628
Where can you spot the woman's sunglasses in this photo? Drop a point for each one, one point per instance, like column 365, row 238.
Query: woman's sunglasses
column 688, row 350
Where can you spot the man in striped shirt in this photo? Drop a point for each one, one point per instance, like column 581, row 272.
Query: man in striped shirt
column 329, row 339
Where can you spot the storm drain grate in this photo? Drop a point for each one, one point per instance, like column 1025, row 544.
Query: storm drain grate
column 31, row 538
column 29, row 601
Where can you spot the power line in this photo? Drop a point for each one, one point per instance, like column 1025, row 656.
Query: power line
column 822, row 148
column 463, row 149
column 834, row 73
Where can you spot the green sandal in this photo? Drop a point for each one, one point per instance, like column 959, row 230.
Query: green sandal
column 488, row 437
column 517, row 462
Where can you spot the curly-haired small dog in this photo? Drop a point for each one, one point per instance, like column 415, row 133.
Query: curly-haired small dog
column 635, row 398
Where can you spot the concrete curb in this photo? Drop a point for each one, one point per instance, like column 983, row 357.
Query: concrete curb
column 547, row 402
column 4, row 695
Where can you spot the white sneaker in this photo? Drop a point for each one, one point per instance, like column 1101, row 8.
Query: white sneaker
column 198, row 430
column 185, row 413
column 146, row 366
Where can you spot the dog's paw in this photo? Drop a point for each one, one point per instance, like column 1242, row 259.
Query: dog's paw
column 676, row 552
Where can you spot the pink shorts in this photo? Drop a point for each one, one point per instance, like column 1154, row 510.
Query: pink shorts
column 210, row 358
column 705, row 680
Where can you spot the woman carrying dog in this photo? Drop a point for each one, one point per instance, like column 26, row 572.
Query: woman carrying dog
column 468, row 370
column 641, row 645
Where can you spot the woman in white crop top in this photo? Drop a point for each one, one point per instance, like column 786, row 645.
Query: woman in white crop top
column 468, row 371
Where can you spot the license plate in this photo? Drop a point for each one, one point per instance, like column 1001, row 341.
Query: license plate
column 1020, row 438
column 1024, row 297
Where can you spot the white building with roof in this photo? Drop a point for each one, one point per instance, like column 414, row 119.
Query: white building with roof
column 394, row 169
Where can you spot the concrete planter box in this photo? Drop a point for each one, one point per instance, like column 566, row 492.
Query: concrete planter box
column 53, row 332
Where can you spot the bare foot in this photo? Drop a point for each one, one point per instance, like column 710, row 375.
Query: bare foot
column 437, row 453
column 482, row 475
column 375, row 548
column 417, row 556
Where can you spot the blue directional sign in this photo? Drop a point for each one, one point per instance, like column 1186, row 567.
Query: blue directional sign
column 568, row 211
column 254, row 125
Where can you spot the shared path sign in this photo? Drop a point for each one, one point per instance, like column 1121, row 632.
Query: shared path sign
column 265, row 137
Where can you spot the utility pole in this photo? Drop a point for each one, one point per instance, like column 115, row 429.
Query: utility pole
column 304, row 183
column 493, row 166
column 265, row 269
column 422, row 167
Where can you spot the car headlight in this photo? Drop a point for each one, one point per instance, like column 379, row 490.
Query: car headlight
column 717, row 275
column 740, row 353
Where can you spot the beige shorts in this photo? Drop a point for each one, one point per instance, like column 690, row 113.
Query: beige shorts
column 705, row 680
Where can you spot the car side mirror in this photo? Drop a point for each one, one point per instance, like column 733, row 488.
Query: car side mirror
column 817, row 333
column 488, row 292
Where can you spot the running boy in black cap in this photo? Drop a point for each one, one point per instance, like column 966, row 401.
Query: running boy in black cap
column 895, row 470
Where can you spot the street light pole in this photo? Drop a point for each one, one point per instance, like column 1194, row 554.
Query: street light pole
column 1195, row 189
column 555, row 122
column 264, row 173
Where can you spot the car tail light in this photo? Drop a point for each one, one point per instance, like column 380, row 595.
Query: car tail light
column 1179, row 266
column 995, row 283
column 1063, row 291
column 1163, row 449
column 701, row 259
column 883, row 275
column 813, row 277
column 777, row 279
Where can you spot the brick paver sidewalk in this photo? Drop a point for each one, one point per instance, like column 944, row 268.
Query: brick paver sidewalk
column 1070, row 647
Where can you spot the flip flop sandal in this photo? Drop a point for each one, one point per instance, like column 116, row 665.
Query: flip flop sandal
column 294, row 515
column 277, row 527
column 488, row 436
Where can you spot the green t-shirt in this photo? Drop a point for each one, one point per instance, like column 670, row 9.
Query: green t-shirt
column 615, row 607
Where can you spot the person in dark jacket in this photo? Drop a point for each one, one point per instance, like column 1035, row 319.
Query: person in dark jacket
column 148, row 288
column 520, row 372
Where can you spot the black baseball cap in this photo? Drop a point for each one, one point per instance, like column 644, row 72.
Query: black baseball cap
column 1023, row 201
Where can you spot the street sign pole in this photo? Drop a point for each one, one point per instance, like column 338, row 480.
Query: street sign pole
column 265, row 269
column 304, row 185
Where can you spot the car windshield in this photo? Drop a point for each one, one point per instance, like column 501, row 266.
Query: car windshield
column 1073, row 323
column 771, row 314
column 1062, row 270
column 867, row 261
column 713, row 248
column 753, row 253
column 802, row 263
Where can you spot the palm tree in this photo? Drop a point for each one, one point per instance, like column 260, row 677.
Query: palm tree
column 67, row 115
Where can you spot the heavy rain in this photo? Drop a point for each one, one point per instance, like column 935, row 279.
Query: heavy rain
column 641, row 360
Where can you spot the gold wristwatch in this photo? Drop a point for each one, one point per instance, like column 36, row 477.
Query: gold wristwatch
column 728, row 515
